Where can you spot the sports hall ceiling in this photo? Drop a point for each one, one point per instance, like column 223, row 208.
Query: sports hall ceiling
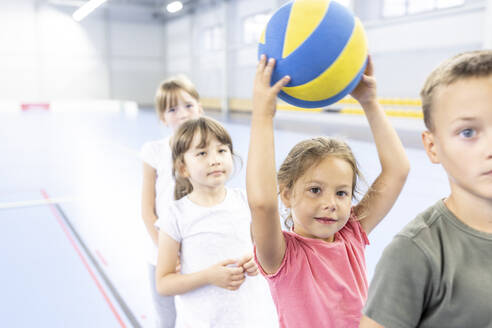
column 156, row 7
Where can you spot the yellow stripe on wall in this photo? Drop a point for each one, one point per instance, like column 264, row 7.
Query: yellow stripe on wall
column 245, row 105
column 305, row 16
column 389, row 112
column 339, row 74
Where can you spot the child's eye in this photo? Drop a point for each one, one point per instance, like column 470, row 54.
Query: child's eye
column 202, row 153
column 342, row 193
column 189, row 105
column 315, row 190
column 222, row 150
column 171, row 110
column 468, row 133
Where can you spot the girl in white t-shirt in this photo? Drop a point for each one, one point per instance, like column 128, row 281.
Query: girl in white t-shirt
column 176, row 102
column 209, row 225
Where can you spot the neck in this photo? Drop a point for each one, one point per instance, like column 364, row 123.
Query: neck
column 474, row 211
column 303, row 233
column 207, row 196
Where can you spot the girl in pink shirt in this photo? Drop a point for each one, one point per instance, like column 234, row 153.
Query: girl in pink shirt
column 316, row 272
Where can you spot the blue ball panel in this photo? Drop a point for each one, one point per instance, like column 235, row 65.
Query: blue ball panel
column 274, row 37
column 325, row 102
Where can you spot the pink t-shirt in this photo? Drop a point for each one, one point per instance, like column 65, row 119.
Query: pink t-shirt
column 321, row 284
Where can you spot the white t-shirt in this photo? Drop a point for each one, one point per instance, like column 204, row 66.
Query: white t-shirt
column 209, row 235
column 158, row 155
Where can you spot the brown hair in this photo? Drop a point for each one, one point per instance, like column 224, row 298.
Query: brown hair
column 181, row 143
column 465, row 65
column 307, row 154
column 168, row 92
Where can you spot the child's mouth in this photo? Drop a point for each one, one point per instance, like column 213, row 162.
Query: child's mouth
column 216, row 173
column 324, row 220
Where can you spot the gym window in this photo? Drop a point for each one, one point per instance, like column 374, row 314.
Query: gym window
column 213, row 38
column 253, row 26
column 395, row 8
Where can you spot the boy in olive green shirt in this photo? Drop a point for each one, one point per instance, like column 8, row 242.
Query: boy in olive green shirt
column 437, row 272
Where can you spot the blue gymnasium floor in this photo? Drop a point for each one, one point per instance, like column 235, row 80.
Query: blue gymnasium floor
column 71, row 239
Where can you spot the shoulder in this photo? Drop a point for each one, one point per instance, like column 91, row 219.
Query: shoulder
column 156, row 145
column 175, row 211
column 236, row 198
column 237, row 194
column 174, row 208
column 353, row 230
column 290, row 262
column 419, row 239
column 426, row 227
column 153, row 152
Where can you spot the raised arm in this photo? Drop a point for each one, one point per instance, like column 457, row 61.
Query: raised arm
column 261, row 176
column 394, row 162
column 170, row 282
column 148, row 201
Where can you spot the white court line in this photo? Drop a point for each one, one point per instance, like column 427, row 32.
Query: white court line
column 37, row 202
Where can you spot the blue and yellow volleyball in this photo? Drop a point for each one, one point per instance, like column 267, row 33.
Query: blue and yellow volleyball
column 321, row 45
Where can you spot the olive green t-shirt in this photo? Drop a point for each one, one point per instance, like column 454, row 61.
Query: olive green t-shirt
column 437, row 272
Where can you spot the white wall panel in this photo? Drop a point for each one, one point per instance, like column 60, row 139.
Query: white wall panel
column 247, row 56
column 127, row 74
column 61, row 35
column 250, row 7
column 17, row 27
column 439, row 32
column 135, row 39
column 19, row 77
column 209, row 83
column 179, row 65
column 62, row 79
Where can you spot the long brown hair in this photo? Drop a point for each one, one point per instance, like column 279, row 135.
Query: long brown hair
column 181, row 143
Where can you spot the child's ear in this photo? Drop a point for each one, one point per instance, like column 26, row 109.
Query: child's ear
column 162, row 119
column 182, row 170
column 285, row 196
column 430, row 146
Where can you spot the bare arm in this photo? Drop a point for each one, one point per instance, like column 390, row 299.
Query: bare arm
column 367, row 322
column 169, row 282
column 261, row 181
column 394, row 162
column 148, row 201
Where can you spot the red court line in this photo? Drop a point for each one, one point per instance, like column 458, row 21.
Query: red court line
column 103, row 260
column 81, row 256
column 27, row 106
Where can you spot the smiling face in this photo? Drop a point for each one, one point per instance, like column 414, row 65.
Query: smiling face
column 461, row 139
column 207, row 166
column 185, row 108
column 321, row 199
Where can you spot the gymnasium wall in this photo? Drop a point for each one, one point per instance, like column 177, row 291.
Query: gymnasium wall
column 46, row 55
column 123, row 52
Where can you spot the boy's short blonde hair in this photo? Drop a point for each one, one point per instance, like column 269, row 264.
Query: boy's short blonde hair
column 167, row 92
column 471, row 64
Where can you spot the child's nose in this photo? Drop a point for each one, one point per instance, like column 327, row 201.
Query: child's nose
column 488, row 147
column 214, row 160
column 329, row 203
column 182, row 113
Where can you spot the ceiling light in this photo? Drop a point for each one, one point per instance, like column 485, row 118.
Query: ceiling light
column 174, row 6
column 86, row 9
